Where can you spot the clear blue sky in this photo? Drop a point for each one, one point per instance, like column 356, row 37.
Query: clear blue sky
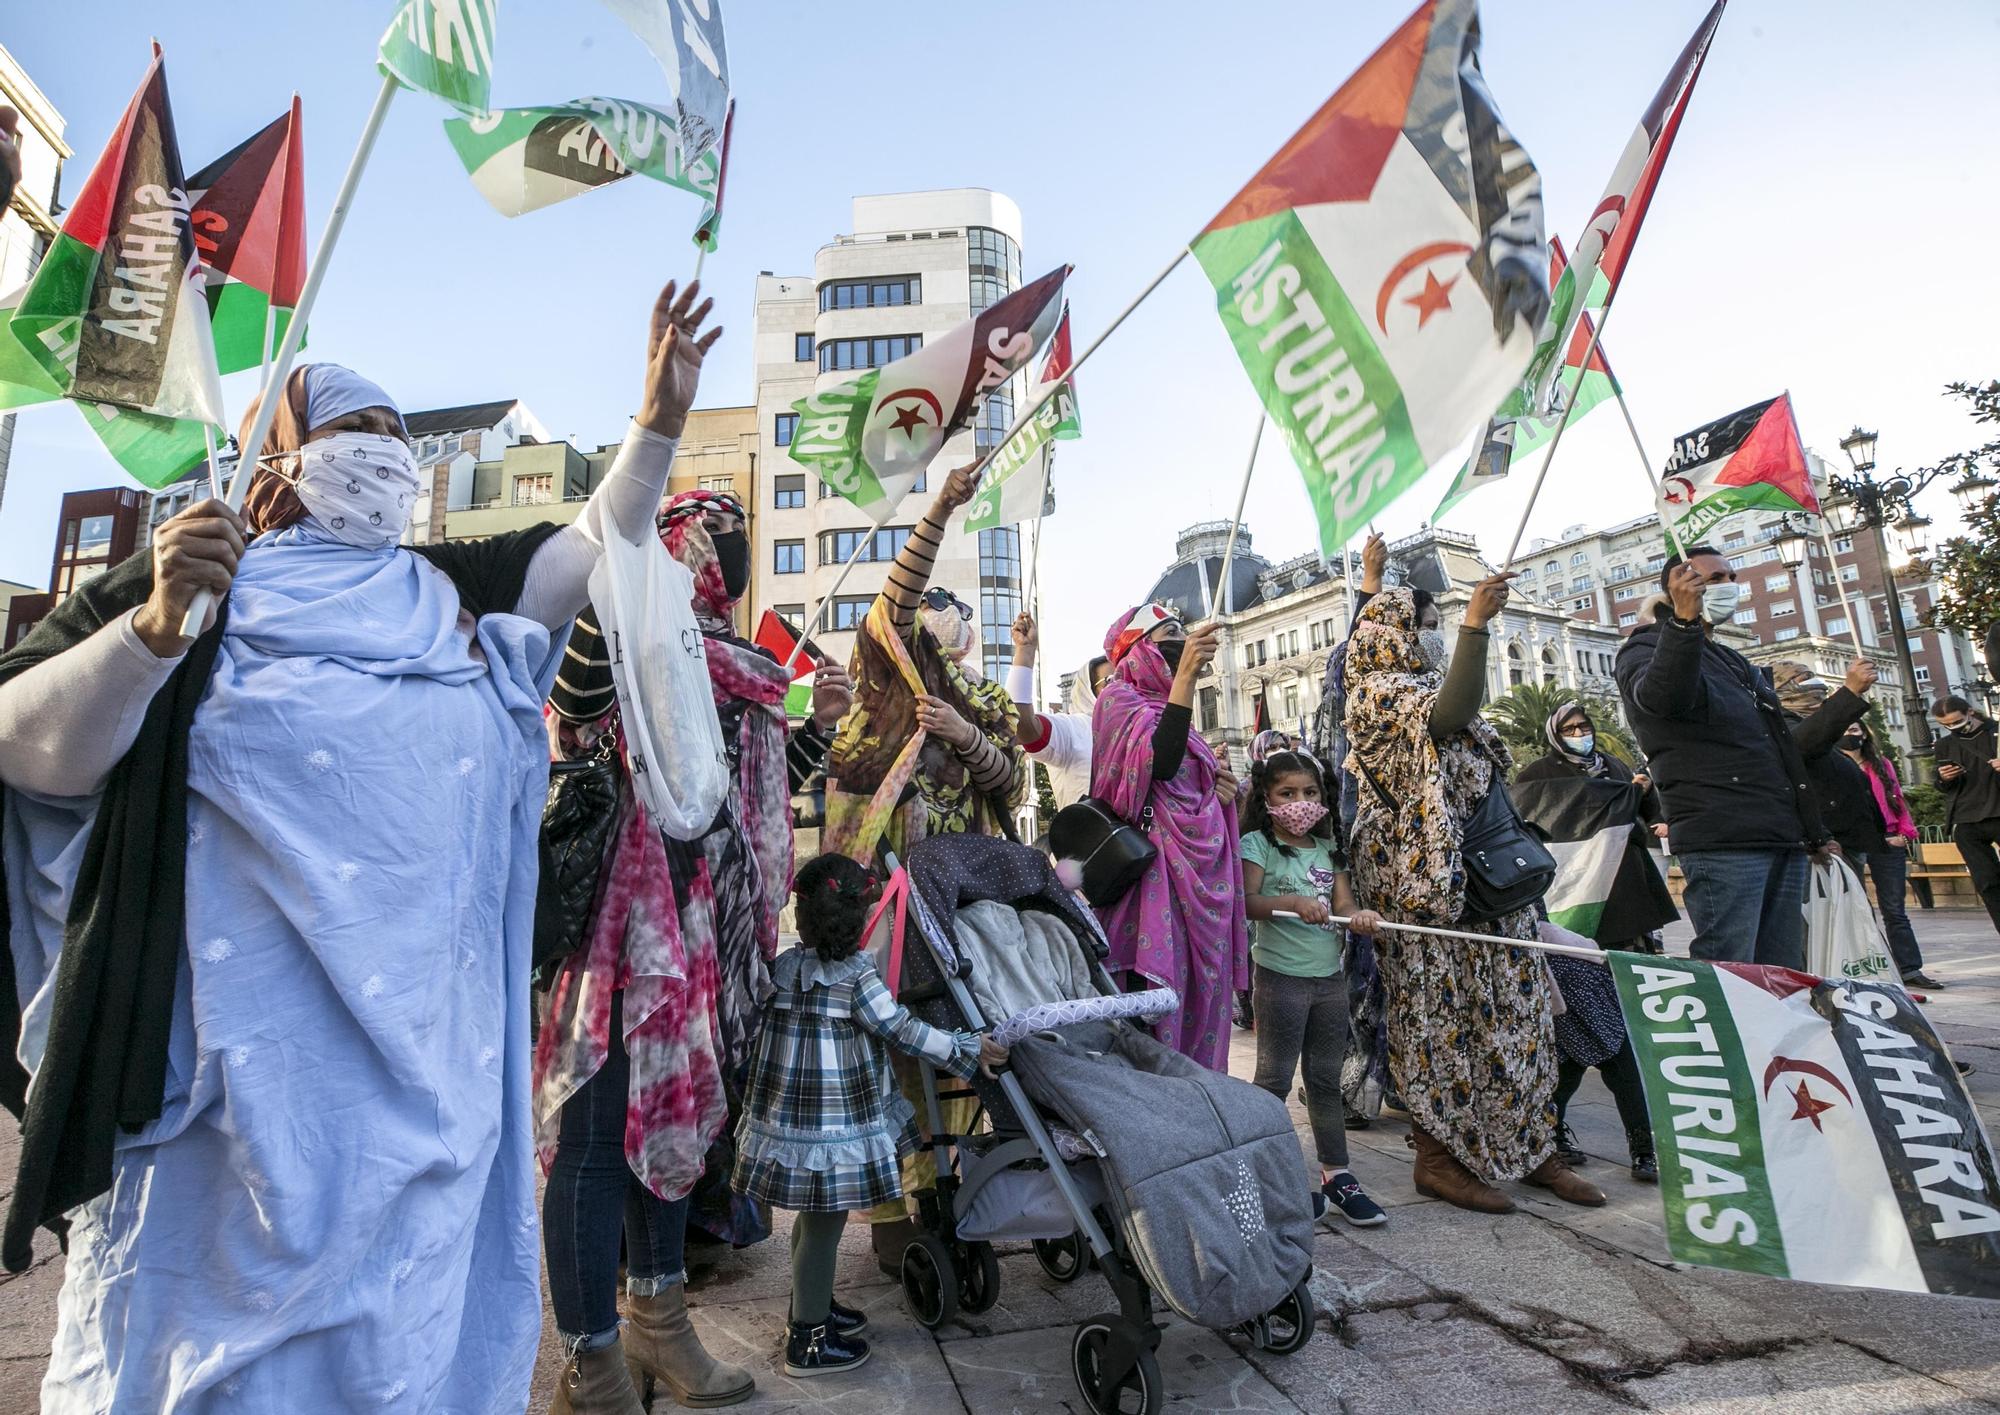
column 1824, row 225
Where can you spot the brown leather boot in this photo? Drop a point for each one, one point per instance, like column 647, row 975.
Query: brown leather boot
column 1565, row 1183
column 596, row 1383
column 1439, row 1175
column 662, row 1351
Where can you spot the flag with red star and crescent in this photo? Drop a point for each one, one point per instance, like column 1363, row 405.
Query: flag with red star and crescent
column 871, row 437
column 1383, row 276
column 1752, row 460
column 1810, row 1128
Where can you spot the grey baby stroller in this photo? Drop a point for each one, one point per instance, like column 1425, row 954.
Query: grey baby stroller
column 1105, row 1148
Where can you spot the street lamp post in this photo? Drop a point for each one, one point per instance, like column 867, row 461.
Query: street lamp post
column 1874, row 505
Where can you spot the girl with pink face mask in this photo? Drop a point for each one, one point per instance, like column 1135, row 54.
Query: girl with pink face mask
column 1294, row 885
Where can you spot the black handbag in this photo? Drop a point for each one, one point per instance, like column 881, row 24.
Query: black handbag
column 1507, row 867
column 577, row 824
column 1112, row 853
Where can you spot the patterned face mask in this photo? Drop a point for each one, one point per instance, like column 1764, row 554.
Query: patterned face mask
column 361, row 487
column 1298, row 817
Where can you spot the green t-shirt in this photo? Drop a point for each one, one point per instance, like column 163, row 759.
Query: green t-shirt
column 1292, row 946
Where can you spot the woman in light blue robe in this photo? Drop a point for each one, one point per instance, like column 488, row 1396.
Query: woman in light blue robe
column 335, row 1208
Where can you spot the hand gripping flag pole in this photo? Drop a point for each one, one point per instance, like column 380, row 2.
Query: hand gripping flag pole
column 281, row 367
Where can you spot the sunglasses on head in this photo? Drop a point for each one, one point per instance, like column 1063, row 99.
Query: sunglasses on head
column 937, row 597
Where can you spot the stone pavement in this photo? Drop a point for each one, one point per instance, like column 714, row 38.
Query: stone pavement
column 1551, row 1309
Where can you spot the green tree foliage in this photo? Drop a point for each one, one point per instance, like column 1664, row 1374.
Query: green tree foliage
column 1968, row 566
column 1521, row 715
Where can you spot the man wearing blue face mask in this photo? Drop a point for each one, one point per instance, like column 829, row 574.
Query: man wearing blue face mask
column 1742, row 811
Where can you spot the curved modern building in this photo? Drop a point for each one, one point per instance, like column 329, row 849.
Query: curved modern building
column 916, row 264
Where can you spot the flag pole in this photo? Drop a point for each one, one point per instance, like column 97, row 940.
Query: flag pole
column 1596, row 334
column 1846, row 605
column 812, row 625
column 1226, row 672
column 267, row 406
column 1048, row 390
column 214, row 476
column 1568, row 950
column 1646, row 465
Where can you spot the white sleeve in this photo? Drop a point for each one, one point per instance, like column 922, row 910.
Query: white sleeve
column 1068, row 747
column 557, row 585
column 67, row 721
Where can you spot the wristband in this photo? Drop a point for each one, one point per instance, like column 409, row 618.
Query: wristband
column 1021, row 683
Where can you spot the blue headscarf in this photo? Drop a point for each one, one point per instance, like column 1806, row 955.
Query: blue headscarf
column 333, row 392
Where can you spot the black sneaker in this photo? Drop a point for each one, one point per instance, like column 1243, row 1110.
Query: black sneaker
column 1567, row 1148
column 1645, row 1165
column 846, row 1320
column 1918, row 978
column 1356, row 1207
column 820, row 1350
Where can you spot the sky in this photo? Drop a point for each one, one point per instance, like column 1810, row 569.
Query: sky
column 1822, row 227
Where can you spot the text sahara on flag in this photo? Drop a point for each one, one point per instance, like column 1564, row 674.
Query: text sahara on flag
column 1751, row 460
column 1383, row 276
column 1012, row 489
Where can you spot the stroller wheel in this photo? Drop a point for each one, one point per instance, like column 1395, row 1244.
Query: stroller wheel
column 930, row 1285
column 1288, row 1326
column 1064, row 1259
column 978, row 1277
column 1140, row 1392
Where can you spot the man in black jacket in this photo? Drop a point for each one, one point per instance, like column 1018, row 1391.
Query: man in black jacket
column 1740, row 807
column 1969, row 771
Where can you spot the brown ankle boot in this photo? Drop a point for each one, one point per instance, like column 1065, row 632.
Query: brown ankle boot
column 662, row 1350
column 1439, row 1175
column 1565, row 1183
column 596, row 1383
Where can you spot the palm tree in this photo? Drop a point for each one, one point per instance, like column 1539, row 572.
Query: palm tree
column 1522, row 713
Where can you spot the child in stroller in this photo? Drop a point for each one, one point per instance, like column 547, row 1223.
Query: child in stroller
column 1104, row 1147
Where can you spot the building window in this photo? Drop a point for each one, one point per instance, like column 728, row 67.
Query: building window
column 1777, row 582
column 992, row 263
column 1291, row 702
column 793, row 614
column 1254, row 655
column 788, row 557
column 1581, row 582
column 1736, row 562
column 882, row 545
column 535, row 491
column 802, row 347
column 1744, row 616
column 1626, row 621
column 1554, row 567
column 1769, row 553
column 1924, row 674
column 1582, row 557
column 882, row 291
column 993, row 417
column 790, row 491
column 1315, row 636
column 850, row 609
column 1849, row 574
column 1733, row 540
column 1782, row 608
column 1843, row 545
column 1836, row 626
column 783, row 427
column 1783, row 635
column 999, row 595
column 838, row 354
column 1210, row 709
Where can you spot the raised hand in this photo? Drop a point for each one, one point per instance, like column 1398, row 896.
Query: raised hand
column 1861, row 676
column 1374, row 562
column 197, row 550
column 1489, row 597
column 675, row 348
column 1684, row 587
column 1027, row 638
column 958, row 489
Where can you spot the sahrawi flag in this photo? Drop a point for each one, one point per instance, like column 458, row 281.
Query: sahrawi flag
column 1383, row 276
column 115, row 319
column 1751, row 460
column 1016, row 479
column 443, row 48
column 250, row 227
column 1810, row 1129
column 1587, row 821
column 1513, row 432
column 871, row 437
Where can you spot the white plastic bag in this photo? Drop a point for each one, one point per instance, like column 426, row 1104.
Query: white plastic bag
column 659, row 665
column 1843, row 941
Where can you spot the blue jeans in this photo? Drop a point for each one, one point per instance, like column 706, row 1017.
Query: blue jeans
column 1747, row 906
column 1890, row 869
column 592, row 1198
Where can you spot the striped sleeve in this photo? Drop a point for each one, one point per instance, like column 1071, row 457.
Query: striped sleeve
column 912, row 572
column 805, row 752
column 888, row 1019
column 991, row 769
column 583, row 690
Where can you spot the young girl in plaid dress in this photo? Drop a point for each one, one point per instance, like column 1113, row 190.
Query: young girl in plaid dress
column 824, row 1125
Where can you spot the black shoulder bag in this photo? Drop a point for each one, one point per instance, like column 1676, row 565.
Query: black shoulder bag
column 1507, row 867
column 577, row 823
column 1112, row 853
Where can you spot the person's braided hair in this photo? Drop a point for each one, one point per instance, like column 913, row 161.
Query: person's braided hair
column 833, row 894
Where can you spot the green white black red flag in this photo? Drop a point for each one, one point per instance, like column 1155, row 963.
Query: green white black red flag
column 1383, row 277
column 1011, row 491
column 871, row 437
column 249, row 224
column 1810, row 1129
column 1751, row 460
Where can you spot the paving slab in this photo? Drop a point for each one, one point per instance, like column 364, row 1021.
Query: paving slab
column 1026, row 1373
column 1821, row 1378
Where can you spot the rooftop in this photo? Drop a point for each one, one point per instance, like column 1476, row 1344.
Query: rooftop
column 433, row 421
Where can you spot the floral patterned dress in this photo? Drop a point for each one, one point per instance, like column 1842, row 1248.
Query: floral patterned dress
column 1471, row 1029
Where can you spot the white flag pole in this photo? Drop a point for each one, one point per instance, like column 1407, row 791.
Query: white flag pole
column 281, row 369
column 1846, row 604
column 214, row 476
column 867, row 539
column 1594, row 955
column 1225, row 648
column 1596, row 333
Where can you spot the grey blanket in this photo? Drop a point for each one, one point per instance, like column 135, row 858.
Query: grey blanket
column 1020, row 958
column 1204, row 1171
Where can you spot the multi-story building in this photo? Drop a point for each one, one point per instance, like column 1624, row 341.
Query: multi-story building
column 916, row 264
column 1288, row 616
column 29, row 223
column 94, row 531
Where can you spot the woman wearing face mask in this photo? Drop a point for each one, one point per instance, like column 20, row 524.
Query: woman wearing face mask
column 640, row 1068
column 277, row 1006
column 1471, row 1028
column 1891, row 863
column 1182, row 925
column 930, row 748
